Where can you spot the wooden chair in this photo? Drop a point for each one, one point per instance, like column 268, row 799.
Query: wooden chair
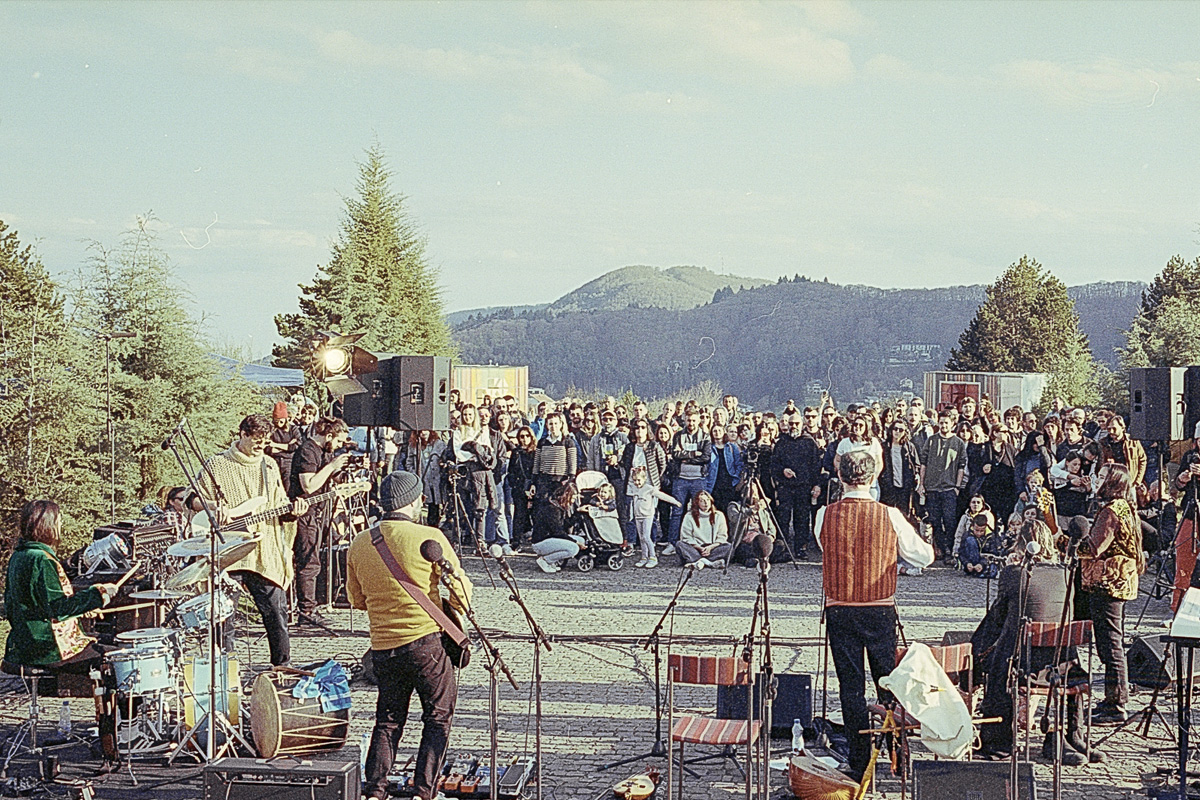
column 1050, row 635
column 709, row 671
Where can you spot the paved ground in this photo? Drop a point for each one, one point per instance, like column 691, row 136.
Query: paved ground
column 598, row 690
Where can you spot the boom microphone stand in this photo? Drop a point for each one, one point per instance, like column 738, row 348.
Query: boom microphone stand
column 491, row 662
column 539, row 640
column 659, row 749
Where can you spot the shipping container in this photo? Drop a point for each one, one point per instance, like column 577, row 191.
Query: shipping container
column 1003, row 389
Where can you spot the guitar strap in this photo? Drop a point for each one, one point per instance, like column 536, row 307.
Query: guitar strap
column 414, row 591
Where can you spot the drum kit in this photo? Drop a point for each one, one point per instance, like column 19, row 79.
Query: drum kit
column 165, row 681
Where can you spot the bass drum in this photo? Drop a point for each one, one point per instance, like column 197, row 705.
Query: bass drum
column 283, row 725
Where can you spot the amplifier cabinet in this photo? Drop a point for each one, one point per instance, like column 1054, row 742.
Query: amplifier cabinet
column 281, row 779
column 970, row 780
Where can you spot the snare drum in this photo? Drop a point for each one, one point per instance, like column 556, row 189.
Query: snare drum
column 196, row 613
column 153, row 639
column 143, row 669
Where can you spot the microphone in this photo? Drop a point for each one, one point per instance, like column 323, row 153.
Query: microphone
column 1032, row 551
column 763, row 545
column 496, row 552
column 431, row 551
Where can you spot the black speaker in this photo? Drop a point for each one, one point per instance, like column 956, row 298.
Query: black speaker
column 1147, row 668
column 970, row 780
column 1191, row 401
column 252, row 779
column 1156, row 402
column 793, row 701
column 406, row 393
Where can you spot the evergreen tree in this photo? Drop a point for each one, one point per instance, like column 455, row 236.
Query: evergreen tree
column 1166, row 332
column 51, row 414
column 162, row 375
column 378, row 280
column 1027, row 323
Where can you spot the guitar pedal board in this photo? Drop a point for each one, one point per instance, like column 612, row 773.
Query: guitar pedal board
column 468, row 777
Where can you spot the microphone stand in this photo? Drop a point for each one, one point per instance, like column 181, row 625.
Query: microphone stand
column 659, row 749
column 539, row 640
column 1014, row 669
column 491, row 662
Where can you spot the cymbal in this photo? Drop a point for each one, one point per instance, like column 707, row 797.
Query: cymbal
column 157, row 594
column 235, row 552
column 190, row 575
column 201, row 546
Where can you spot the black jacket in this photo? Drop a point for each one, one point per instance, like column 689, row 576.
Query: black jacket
column 800, row 454
column 910, row 463
column 994, row 641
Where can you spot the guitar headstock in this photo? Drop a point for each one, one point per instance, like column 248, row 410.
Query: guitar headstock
column 345, row 490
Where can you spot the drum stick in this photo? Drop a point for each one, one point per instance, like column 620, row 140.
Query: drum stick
column 103, row 611
column 129, row 574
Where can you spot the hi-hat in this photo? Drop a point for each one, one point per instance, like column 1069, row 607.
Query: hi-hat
column 190, row 575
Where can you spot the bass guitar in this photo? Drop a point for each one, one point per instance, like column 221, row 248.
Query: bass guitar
column 245, row 514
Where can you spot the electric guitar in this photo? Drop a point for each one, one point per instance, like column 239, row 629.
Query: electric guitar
column 243, row 514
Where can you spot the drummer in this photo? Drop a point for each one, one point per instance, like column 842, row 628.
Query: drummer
column 243, row 472
column 43, row 611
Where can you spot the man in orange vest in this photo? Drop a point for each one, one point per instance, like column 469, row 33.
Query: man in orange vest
column 861, row 539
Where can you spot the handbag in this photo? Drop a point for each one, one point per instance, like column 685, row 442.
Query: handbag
column 454, row 640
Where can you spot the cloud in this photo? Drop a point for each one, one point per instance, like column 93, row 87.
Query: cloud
column 1106, row 82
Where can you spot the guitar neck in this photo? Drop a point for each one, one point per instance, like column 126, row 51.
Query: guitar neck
column 263, row 516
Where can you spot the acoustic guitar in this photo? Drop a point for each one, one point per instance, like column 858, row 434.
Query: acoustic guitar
column 637, row 787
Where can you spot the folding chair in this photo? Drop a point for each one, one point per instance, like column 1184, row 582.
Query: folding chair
column 1052, row 635
column 709, row 671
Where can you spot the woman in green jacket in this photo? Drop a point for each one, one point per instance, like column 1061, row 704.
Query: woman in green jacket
column 43, row 610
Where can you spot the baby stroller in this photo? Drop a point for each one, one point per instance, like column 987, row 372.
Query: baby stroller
column 599, row 528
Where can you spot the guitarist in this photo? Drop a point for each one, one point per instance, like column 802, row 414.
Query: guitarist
column 406, row 643
column 244, row 472
column 312, row 468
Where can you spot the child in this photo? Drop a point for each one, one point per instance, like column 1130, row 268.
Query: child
column 979, row 541
column 642, row 512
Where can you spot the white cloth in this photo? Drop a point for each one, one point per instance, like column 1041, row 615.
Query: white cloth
column 925, row 691
column 912, row 548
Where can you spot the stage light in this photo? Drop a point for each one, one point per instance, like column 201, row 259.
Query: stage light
column 337, row 360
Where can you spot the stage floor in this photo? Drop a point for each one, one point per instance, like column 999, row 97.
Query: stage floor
column 598, row 687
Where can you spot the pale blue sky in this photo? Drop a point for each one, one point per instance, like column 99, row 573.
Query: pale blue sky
column 542, row 144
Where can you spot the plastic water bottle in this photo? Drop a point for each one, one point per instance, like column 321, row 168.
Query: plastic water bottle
column 797, row 737
column 64, row 720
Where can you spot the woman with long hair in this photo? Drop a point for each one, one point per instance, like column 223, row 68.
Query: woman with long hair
column 642, row 451
column 519, row 482
column 999, row 469
column 43, row 612
column 552, row 536
column 704, row 535
column 1110, row 561
column 901, row 467
column 861, row 438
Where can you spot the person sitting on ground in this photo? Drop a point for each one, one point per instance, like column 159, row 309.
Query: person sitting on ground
column 753, row 519
column 704, row 536
column 554, row 541
column 980, row 541
column 975, row 506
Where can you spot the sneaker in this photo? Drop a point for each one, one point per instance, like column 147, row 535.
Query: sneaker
column 652, row 563
column 669, row 550
column 508, row 550
column 717, row 563
column 699, row 563
column 546, row 566
column 704, row 562
column 641, row 562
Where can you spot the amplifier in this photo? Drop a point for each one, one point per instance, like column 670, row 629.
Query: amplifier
column 970, row 780
column 793, row 701
column 258, row 779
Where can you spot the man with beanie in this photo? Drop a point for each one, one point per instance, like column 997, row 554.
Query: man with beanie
column 861, row 539
column 406, row 642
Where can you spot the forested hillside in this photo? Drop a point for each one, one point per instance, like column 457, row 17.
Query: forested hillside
column 766, row 344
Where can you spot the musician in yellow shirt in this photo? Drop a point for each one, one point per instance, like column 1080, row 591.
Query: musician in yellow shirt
column 406, row 643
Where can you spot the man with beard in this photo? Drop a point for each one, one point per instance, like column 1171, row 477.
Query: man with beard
column 796, row 472
column 284, row 442
column 243, row 472
column 691, row 450
column 312, row 467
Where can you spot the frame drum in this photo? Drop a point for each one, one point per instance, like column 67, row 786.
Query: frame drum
column 283, row 725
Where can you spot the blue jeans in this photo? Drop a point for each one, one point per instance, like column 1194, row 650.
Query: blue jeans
column 495, row 526
column 555, row 551
column 942, row 508
column 682, row 490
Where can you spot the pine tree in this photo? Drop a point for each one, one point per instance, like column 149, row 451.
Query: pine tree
column 51, row 414
column 160, row 376
column 1166, row 332
column 1027, row 323
column 378, row 280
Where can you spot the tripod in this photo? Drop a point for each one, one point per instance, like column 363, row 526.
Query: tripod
column 750, row 489
column 1147, row 715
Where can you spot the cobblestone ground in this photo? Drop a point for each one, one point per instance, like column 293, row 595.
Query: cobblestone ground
column 598, row 684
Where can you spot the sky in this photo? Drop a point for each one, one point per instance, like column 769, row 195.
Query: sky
column 540, row 145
